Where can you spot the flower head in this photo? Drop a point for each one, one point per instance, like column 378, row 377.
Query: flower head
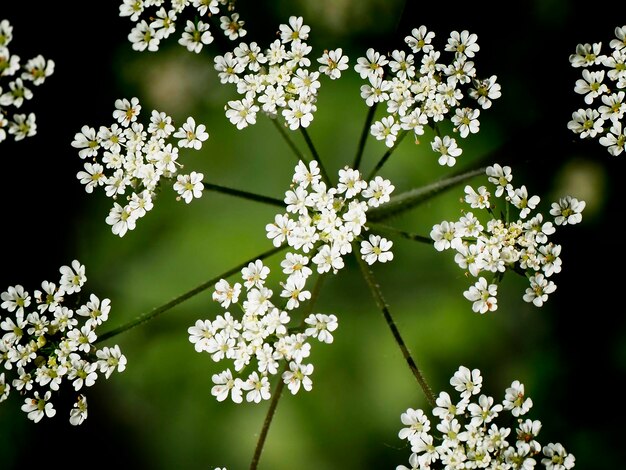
column 129, row 160
column 16, row 80
column 262, row 337
column 477, row 432
column 417, row 88
column 46, row 346
column 488, row 247
column 602, row 87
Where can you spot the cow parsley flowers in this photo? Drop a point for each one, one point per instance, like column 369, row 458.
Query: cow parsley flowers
column 153, row 22
column 260, row 339
column 603, row 88
column 487, row 247
column 321, row 222
column 17, row 90
column 129, row 160
column 48, row 343
column 417, row 89
column 476, row 431
column 278, row 80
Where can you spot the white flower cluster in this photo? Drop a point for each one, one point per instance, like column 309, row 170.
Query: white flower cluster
column 325, row 221
column 605, row 120
column 423, row 90
column 475, row 432
column 261, row 336
column 33, row 72
column 43, row 345
column 135, row 158
column 161, row 23
column 504, row 242
column 277, row 80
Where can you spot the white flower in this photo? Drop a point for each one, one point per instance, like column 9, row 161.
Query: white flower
column 375, row 249
column 189, row 186
column 190, row 135
column 483, row 296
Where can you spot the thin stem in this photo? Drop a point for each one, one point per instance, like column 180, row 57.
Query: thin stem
column 386, row 156
column 382, row 304
column 181, row 298
column 287, row 139
column 414, row 197
column 364, row 133
column 281, row 384
column 268, row 420
column 244, row 194
column 402, row 233
column 316, row 156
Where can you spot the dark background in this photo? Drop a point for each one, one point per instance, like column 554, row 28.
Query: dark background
column 575, row 363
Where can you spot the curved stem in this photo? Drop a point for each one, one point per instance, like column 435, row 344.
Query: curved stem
column 287, row 139
column 316, row 157
column 181, row 298
column 384, row 308
column 364, row 133
column 386, row 156
column 402, row 233
column 281, row 384
column 244, row 194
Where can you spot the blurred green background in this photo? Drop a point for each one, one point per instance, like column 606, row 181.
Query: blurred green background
column 159, row 413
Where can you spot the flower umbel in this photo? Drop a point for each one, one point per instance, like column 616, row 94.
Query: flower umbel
column 48, row 343
column 321, row 222
column 129, row 160
column 154, row 23
column 603, row 87
column 488, row 248
column 17, row 90
column 277, row 81
column 476, row 431
column 261, row 339
column 418, row 89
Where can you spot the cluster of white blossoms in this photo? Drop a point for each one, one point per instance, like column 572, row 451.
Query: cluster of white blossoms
column 17, row 90
column 260, row 340
column 603, row 85
column 161, row 22
column 422, row 90
column 130, row 159
column 46, row 344
column 504, row 242
column 477, row 432
column 322, row 222
column 277, row 80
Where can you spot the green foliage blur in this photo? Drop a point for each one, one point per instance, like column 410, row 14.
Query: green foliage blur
column 159, row 414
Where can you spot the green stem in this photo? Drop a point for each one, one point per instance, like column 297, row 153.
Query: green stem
column 386, row 156
column 364, row 133
column 382, row 305
column 281, row 384
column 413, row 197
column 316, row 156
column 287, row 139
column 268, row 420
column 181, row 298
column 394, row 231
column 244, row 194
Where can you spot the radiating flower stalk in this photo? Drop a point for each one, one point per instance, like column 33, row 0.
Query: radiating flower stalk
column 267, row 327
